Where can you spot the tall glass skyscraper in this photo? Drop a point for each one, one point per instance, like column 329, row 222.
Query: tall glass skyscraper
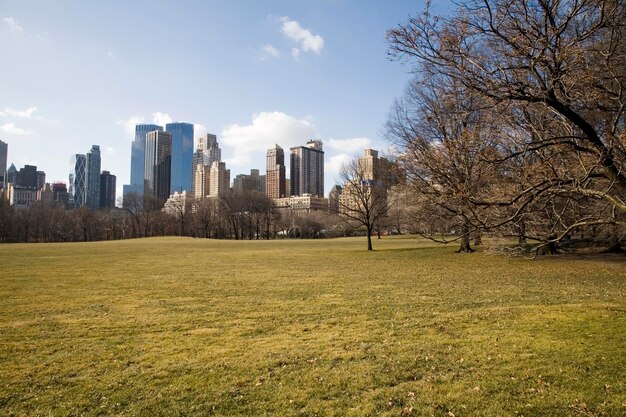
column 92, row 176
column 158, row 171
column 182, row 155
column 77, row 192
column 137, row 157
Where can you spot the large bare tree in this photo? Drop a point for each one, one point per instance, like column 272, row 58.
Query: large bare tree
column 557, row 68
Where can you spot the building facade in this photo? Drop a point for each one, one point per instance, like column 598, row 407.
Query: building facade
column 21, row 197
column 27, row 177
column 307, row 169
column 248, row 183
column 302, row 204
column 92, row 177
column 207, row 152
column 182, row 155
column 60, row 195
column 107, row 190
column 275, row 184
column 333, row 198
column 77, row 181
column 4, row 152
column 158, row 166
column 219, row 179
column 138, row 157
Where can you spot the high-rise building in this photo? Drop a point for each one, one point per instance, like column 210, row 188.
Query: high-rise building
column 107, row 190
column 182, row 155
column 207, row 152
column 307, row 169
column 219, row 179
column 92, row 177
column 138, row 157
column 248, row 183
column 27, row 177
column 202, row 181
column 158, row 162
column 4, row 151
column 41, row 180
column 11, row 175
column 275, row 173
column 77, row 181
column 59, row 194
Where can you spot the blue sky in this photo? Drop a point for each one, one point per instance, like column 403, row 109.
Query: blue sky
column 77, row 73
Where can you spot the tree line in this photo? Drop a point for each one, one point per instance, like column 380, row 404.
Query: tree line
column 236, row 215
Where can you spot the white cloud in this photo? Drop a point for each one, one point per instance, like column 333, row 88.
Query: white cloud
column 268, row 51
column 14, row 130
column 12, row 24
column 303, row 38
column 265, row 130
column 110, row 54
column 28, row 113
column 44, row 37
column 129, row 125
column 295, row 53
column 161, row 118
column 352, row 145
column 332, row 168
column 109, row 150
column 199, row 130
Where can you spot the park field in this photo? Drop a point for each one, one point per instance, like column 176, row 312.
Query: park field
column 192, row 327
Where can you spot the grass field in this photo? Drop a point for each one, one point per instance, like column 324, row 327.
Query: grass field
column 182, row 327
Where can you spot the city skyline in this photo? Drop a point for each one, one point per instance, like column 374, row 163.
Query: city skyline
column 260, row 74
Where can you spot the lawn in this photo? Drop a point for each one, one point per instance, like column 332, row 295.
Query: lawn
column 192, row 327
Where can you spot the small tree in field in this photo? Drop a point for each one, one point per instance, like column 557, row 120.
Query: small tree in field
column 364, row 200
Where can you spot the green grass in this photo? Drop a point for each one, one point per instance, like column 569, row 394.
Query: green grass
column 175, row 326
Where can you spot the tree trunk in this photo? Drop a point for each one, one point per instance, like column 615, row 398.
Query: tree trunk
column 369, row 239
column 465, row 241
column 465, row 246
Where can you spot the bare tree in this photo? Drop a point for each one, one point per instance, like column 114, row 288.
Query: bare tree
column 446, row 135
column 143, row 210
column 364, row 199
column 556, row 67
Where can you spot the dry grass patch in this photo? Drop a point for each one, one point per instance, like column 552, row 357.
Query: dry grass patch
column 175, row 326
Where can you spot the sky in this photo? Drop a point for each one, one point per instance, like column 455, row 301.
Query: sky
column 255, row 73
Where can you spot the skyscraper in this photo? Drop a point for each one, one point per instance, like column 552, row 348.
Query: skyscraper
column 4, row 150
column 92, row 177
column 138, row 156
column 307, row 169
column 207, row 152
column 107, row 190
column 202, row 182
column 158, row 165
column 27, row 177
column 11, row 174
column 182, row 154
column 41, row 179
column 219, row 179
column 77, row 194
column 275, row 173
